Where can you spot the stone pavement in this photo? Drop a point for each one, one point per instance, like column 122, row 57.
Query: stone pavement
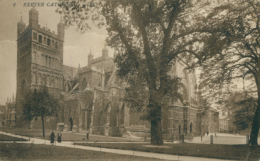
column 108, row 150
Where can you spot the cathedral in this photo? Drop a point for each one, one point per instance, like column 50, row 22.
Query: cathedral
column 92, row 97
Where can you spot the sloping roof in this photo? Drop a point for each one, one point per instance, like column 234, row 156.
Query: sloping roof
column 69, row 71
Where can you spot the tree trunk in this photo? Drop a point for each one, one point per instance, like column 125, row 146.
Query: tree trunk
column 255, row 126
column 156, row 132
column 156, row 125
column 43, row 133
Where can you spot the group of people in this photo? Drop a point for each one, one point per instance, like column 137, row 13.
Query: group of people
column 58, row 137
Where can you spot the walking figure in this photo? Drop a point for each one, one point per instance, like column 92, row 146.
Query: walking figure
column 52, row 137
column 207, row 133
column 87, row 135
column 59, row 137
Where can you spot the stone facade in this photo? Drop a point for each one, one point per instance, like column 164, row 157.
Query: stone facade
column 91, row 97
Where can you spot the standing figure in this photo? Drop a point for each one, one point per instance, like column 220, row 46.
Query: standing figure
column 59, row 137
column 52, row 137
column 87, row 135
column 207, row 133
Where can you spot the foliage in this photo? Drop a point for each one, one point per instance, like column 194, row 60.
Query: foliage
column 149, row 37
column 238, row 57
column 39, row 103
column 243, row 107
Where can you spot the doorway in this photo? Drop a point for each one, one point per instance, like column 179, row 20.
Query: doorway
column 71, row 124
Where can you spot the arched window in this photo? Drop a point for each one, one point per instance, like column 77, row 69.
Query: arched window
column 48, row 81
column 191, row 127
column 40, row 38
column 49, row 42
column 42, row 59
column 56, row 45
column 39, row 79
column 84, row 84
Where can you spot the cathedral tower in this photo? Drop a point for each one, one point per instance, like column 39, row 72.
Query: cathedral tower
column 39, row 58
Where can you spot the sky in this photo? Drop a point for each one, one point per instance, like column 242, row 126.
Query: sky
column 76, row 44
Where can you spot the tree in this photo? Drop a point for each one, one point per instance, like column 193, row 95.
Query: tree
column 148, row 37
column 39, row 103
column 242, row 106
column 238, row 59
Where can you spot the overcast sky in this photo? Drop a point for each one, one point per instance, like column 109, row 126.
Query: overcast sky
column 76, row 45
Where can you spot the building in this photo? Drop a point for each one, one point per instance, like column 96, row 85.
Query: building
column 10, row 112
column 226, row 122
column 39, row 58
column 92, row 97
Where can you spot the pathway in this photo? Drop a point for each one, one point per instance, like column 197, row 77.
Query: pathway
column 116, row 151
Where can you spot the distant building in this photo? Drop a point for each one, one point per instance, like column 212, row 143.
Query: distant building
column 10, row 116
column 226, row 122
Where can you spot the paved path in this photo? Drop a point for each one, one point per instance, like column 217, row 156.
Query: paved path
column 116, row 151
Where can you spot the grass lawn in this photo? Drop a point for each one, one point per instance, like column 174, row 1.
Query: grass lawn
column 10, row 138
column 236, row 152
column 48, row 152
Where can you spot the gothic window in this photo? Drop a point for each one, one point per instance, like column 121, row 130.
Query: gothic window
column 52, row 43
column 48, row 81
column 61, row 83
column 122, row 114
column 43, row 80
column 39, row 79
column 191, row 127
column 34, row 36
column 55, row 82
column 42, row 59
column 46, row 60
column 45, row 40
column 56, row 45
column 84, row 84
column 40, row 38
column 49, row 61
column 52, row 62
column 49, row 42
column 185, row 113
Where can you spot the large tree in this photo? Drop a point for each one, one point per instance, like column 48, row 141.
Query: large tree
column 148, row 35
column 239, row 57
column 39, row 103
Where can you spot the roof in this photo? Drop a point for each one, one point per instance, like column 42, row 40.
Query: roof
column 69, row 71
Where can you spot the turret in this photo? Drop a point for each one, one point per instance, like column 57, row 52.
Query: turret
column 20, row 26
column 33, row 18
column 90, row 58
column 61, row 30
column 105, row 52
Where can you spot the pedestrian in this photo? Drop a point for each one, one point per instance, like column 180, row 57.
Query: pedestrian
column 87, row 135
column 207, row 133
column 59, row 137
column 52, row 137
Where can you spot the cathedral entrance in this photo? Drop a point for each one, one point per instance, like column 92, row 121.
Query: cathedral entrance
column 71, row 124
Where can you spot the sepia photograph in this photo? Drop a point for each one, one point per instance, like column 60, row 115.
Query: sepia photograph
column 130, row 80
